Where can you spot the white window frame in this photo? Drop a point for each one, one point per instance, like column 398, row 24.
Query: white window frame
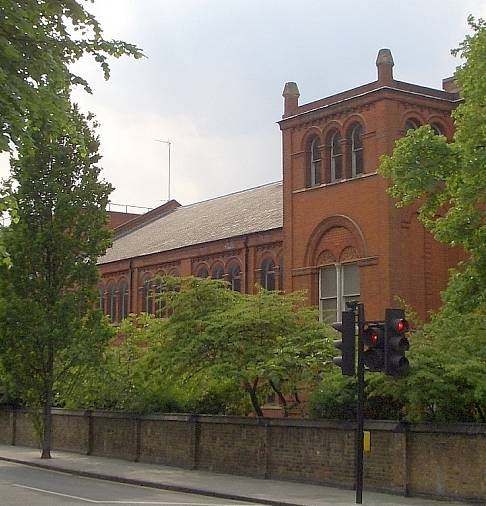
column 355, row 150
column 340, row 297
column 336, row 157
column 315, row 163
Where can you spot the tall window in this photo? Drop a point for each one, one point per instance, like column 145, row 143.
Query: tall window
column 202, row 272
column 314, row 177
column 111, row 301
column 234, row 277
column 268, row 274
column 338, row 284
column 147, row 296
column 437, row 129
column 101, row 299
column 411, row 124
column 356, row 150
column 336, row 157
column 217, row 272
column 159, row 304
column 123, row 299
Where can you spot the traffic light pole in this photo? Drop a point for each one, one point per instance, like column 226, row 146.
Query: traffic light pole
column 360, row 406
column 386, row 345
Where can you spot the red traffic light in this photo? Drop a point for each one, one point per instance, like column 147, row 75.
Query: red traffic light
column 401, row 325
column 373, row 336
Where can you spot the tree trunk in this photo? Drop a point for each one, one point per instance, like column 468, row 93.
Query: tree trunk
column 47, row 408
column 251, row 389
column 281, row 398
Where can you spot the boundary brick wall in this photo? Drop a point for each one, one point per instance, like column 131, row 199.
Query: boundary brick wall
column 437, row 460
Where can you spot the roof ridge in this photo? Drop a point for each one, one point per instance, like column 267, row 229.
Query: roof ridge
column 229, row 194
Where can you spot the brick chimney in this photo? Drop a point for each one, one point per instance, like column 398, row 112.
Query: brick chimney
column 449, row 84
column 384, row 63
column 291, row 96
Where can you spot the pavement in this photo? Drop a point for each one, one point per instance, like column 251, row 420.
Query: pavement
column 225, row 486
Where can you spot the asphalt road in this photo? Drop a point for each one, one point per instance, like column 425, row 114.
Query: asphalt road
column 28, row 486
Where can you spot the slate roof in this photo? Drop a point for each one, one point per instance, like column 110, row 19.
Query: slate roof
column 254, row 210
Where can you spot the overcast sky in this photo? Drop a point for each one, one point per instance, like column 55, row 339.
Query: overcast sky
column 214, row 72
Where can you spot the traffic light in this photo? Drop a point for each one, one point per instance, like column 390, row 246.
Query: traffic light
column 347, row 328
column 396, row 344
column 374, row 340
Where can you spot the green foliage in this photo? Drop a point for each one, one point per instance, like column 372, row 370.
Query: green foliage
column 448, row 181
column 48, row 325
column 218, row 352
column 130, row 378
column 450, row 178
column 39, row 42
column 447, row 380
column 262, row 342
column 335, row 398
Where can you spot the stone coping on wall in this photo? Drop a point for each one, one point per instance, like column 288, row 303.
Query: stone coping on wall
column 377, row 425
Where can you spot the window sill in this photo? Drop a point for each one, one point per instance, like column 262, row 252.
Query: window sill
column 334, row 183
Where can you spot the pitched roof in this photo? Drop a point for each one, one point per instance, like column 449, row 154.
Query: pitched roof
column 254, row 210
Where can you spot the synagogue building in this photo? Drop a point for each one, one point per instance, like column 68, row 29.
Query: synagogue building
column 329, row 227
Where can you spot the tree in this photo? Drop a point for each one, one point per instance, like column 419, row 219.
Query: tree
column 48, row 325
column 448, row 180
column 39, row 41
column 264, row 341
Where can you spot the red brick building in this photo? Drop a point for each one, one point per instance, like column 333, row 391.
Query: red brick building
column 329, row 227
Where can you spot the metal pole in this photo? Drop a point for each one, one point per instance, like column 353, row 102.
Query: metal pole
column 168, row 144
column 168, row 192
column 360, row 407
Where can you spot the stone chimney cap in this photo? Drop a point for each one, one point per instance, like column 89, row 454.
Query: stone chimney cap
column 384, row 57
column 291, row 90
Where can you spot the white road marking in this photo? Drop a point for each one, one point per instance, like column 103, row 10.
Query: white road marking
column 94, row 501
column 54, row 493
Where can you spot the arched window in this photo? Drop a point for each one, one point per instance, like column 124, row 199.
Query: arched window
column 123, row 296
column 335, row 156
column 158, row 303
column 356, row 150
column 101, row 299
column 147, row 295
column 437, row 129
column 202, row 272
column 268, row 274
column 217, row 272
column 111, row 301
column 412, row 124
column 314, row 163
column 234, row 277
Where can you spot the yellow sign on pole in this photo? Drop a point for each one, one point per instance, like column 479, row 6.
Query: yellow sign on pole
column 367, row 441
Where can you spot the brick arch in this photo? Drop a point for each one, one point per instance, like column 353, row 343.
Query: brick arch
column 332, row 126
column 335, row 234
column 308, row 136
column 442, row 123
column 326, row 257
column 351, row 121
column 348, row 253
column 270, row 251
column 411, row 114
column 231, row 261
column 200, row 266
